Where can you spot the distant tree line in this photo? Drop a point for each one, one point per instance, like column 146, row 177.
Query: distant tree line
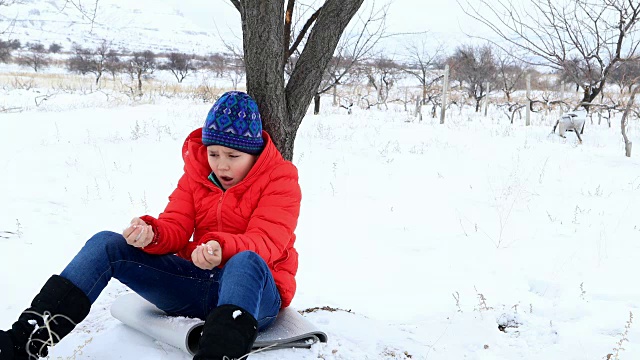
column 475, row 70
column 104, row 59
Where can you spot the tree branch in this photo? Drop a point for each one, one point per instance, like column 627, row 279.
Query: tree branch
column 90, row 16
column 349, row 53
column 9, row 2
column 237, row 4
column 302, row 33
column 582, row 38
column 288, row 16
column 623, row 121
column 317, row 53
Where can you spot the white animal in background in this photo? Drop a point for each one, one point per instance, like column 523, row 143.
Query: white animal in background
column 572, row 121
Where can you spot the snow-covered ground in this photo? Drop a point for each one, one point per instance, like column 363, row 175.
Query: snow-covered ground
column 428, row 237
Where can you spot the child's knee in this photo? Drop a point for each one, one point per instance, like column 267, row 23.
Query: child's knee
column 245, row 258
column 106, row 239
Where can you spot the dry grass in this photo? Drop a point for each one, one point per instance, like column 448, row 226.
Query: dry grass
column 119, row 90
column 28, row 80
column 83, row 83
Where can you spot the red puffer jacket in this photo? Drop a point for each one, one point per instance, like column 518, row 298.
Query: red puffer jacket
column 259, row 214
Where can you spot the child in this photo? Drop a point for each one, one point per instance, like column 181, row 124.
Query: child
column 240, row 201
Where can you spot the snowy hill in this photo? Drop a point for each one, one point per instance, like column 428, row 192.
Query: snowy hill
column 165, row 25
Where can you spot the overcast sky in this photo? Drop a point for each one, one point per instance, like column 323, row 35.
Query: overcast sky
column 443, row 19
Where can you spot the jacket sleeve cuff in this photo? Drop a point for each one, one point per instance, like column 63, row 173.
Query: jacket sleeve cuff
column 228, row 249
column 153, row 245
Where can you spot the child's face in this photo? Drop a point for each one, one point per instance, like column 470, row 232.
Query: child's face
column 230, row 166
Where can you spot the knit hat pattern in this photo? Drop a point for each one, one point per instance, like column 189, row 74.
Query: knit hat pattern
column 234, row 122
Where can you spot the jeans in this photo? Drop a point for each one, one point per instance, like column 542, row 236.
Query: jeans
column 173, row 284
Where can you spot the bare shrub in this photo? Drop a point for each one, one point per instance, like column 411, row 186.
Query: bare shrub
column 36, row 58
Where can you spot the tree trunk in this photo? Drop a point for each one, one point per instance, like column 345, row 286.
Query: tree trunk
column 283, row 108
column 623, row 122
column 590, row 93
column 445, row 90
column 406, row 92
column 486, row 100
column 528, row 102
column 335, row 95
column 264, row 60
column 140, row 81
column 316, row 104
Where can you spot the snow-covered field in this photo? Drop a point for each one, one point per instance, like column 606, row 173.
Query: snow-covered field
column 427, row 237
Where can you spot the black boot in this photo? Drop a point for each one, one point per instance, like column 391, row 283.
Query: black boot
column 54, row 312
column 229, row 333
column 6, row 346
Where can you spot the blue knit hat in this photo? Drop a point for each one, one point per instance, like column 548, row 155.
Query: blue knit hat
column 234, row 122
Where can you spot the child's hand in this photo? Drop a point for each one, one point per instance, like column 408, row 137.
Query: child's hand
column 207, row 256
column 138, row 234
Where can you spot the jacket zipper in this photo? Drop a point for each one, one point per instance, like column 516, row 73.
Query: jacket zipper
column 219, row 212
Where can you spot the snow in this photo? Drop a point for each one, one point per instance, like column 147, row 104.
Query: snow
column 135, row 25
column 423, row 238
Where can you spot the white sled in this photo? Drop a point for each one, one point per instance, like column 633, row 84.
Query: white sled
column 290, row 329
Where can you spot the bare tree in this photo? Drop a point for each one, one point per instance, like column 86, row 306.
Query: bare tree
column 422, row 62
column 86, row 61
column 382, row 74
column 232, row 63
column 623, row 122
column 6, row 48
column 511, row 73
column 236, row 71
column 55, row 48
column 180, row 65
column 217, row 63
column 355, row 47
column 81, row 61
column 582, row 38
column 112, row 63
column 102, row 55
column 266, row 34
column 624, row 74
column 473, row 66
column 14, row 44
column 5, row 51
column 568, row 70
column 141, row 64
column 36, row 58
